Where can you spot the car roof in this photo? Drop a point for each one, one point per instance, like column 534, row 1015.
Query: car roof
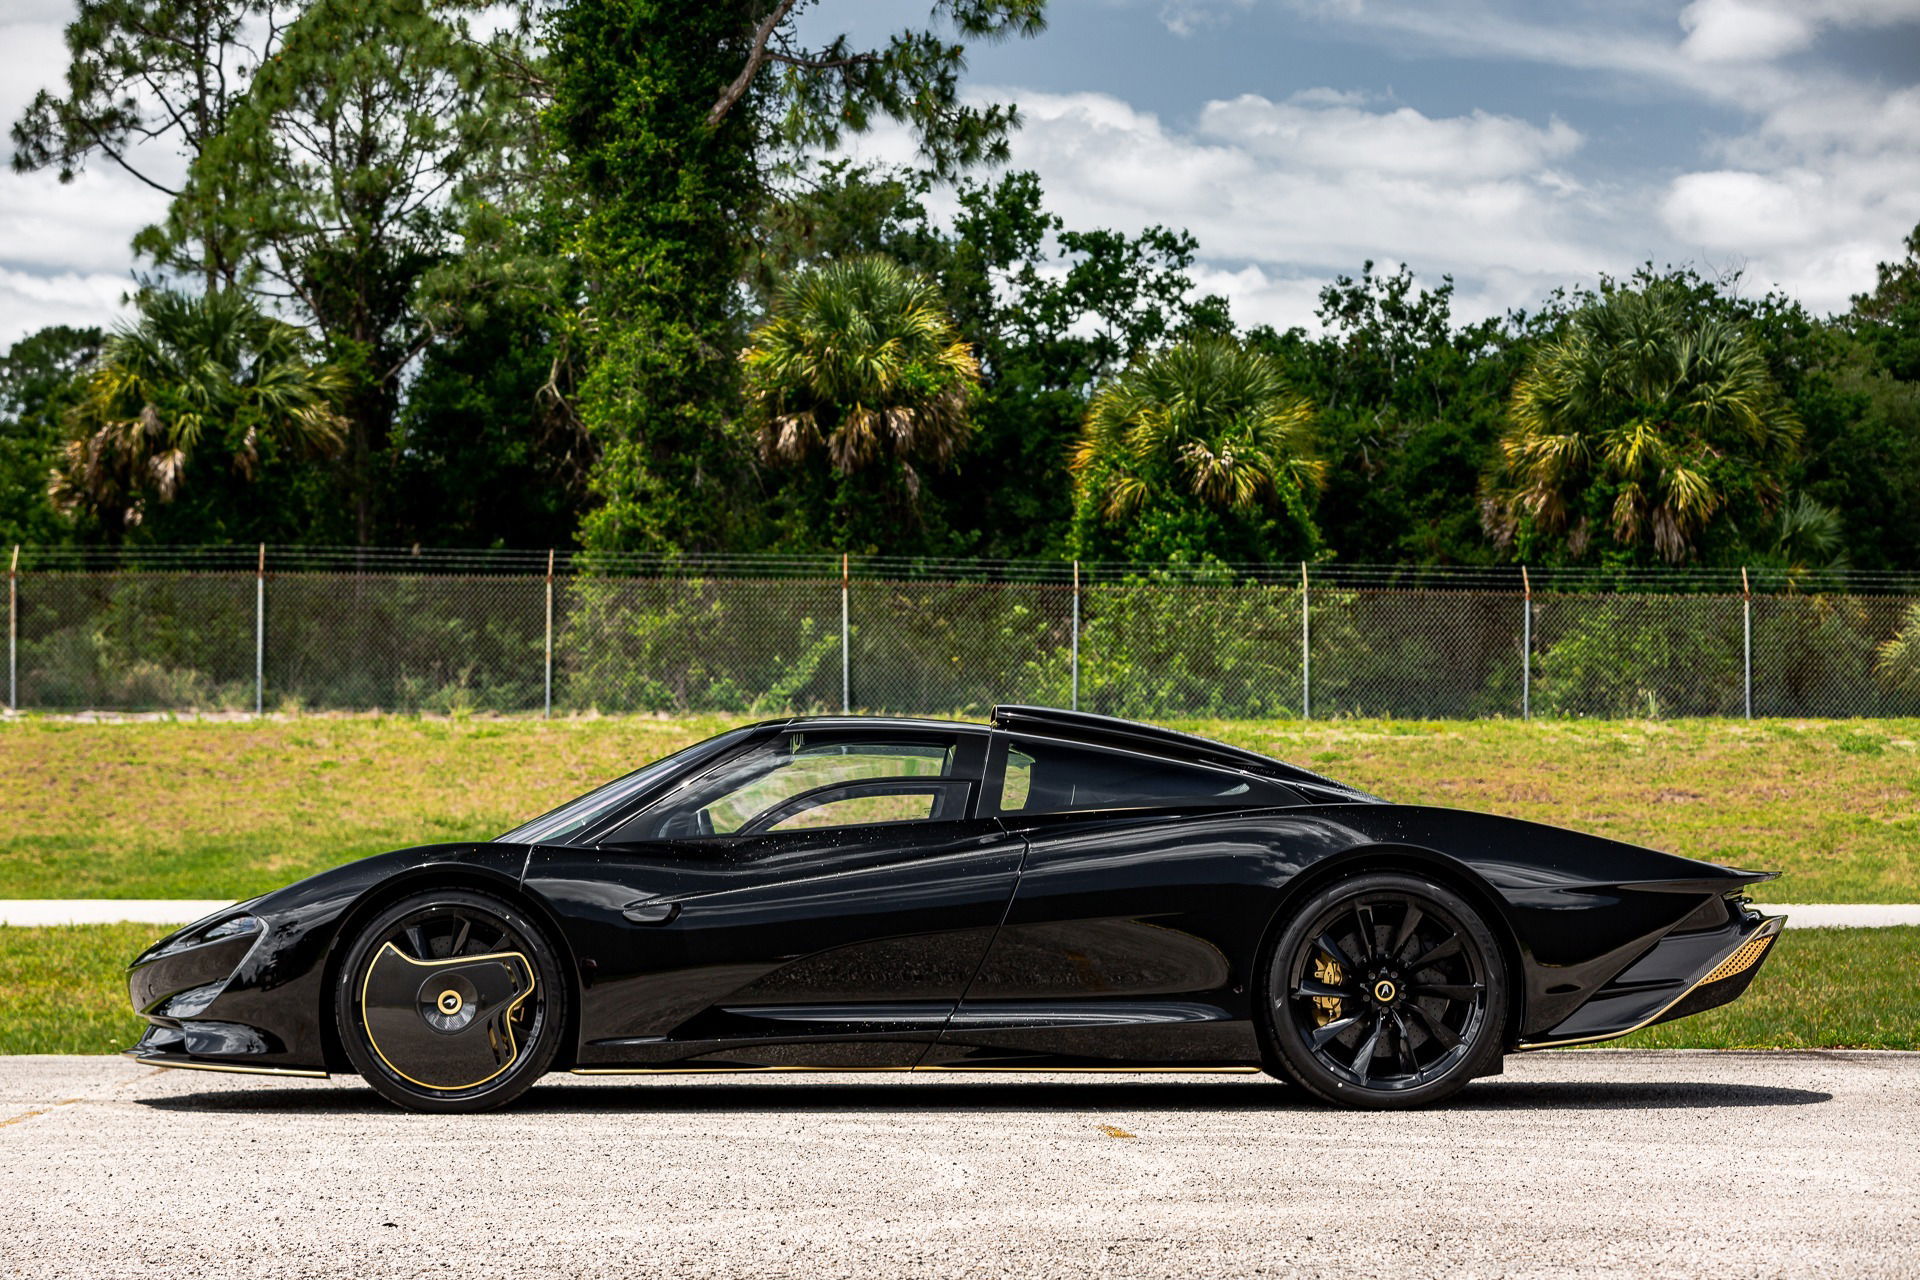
column 1095, row 730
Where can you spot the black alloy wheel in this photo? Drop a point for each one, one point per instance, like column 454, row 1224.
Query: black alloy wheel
column 451, row 1001
column 1386, row 991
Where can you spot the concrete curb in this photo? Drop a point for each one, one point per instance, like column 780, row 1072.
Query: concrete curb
column 46, row 911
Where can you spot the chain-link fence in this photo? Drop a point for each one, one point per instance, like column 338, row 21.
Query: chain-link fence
column 443, row 631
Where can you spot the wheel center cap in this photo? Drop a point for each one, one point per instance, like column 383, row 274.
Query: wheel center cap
column 450, row 1002
column 1384, row 991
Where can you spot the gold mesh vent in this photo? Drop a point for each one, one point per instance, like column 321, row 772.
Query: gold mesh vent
column 1740, row 961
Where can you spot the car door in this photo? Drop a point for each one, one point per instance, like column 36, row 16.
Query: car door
column 821, row 898
column 1130, row 904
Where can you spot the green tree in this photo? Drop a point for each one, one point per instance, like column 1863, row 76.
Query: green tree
column 197, row 386
column 860, row 362
column 492, row 453
column 145, row 78
column 1888, row 317
column 1649, row 415
column 1197, row 451
column 338, row 181
column 673, row 114
column 1408, row 412
column 1050, row 310
column 41, row 379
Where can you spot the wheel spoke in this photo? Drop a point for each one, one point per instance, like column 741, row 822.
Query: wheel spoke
column 1320, row 1038
column 417, row 939
column 1449, row 991
column 1326, row 943
column 1437, row 1029
column 1369, row 932
column 1314, row 989
column 460, row 939
column 1408, row 923
column 1363, row 1061
column 1406, row 1044
column 1439, row 951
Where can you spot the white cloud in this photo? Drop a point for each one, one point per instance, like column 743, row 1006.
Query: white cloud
column 1744, row 30
column 1733, row 210
column 29, row 302
column 1184, row 17
column 1818, row 192
column 64, row 247
column 1327, row 133
column 1762, row 30
column 1283, row 196
column 84, row 225
column 1262, row 297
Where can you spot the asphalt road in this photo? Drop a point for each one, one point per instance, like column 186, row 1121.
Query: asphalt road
column 1624, row 1163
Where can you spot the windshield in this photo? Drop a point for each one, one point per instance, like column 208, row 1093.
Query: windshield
column 583, row 811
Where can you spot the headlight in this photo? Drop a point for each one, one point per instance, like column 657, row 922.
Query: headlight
column 233, row 927
column 220, row 928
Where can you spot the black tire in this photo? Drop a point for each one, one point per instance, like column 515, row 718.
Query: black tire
column 1386, row 991
column 451, row 1000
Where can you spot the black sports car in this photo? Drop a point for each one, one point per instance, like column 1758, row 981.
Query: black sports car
column 1054, row 891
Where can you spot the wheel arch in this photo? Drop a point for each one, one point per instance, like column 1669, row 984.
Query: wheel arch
column 444, row 876
column 1415, row 860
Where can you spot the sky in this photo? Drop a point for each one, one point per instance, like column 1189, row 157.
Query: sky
column 1518, row 147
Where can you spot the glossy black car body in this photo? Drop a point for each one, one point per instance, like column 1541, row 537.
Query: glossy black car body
column 984, row 935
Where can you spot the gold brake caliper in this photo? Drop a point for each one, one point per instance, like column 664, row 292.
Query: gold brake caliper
column 1326, row 1008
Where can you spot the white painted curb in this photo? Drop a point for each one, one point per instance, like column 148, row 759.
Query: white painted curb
column 1843, row 915
column 44, row 911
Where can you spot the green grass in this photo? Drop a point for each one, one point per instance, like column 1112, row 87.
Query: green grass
column 208, row 809
column 63, row 990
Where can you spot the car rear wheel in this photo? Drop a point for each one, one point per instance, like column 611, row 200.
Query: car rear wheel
column 1386, row 990
column 451, row 1000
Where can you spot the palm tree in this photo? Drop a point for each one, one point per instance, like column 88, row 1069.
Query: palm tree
column 192, row 371
column 1648, row 413
column 860, row 359
column 1207, row 416
column 1897, row 658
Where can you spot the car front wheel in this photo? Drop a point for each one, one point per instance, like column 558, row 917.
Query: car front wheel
column 450, row 1000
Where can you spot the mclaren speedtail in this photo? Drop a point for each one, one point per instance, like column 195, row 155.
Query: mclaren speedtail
column 1051, row 891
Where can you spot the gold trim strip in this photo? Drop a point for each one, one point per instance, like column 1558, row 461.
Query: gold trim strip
column 700, row 1071
column 1760, row 940
column 435, row 964
column 239, row 1071
column 712, row 1071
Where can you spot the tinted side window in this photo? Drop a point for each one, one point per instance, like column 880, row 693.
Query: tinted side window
column 1050, row 777
column 764, row 786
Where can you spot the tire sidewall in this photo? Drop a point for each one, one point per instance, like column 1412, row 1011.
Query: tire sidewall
column 1294, row 1061
column 536, row 1055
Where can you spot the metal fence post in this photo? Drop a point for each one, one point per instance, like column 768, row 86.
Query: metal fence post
column 846, row 663
column 1526, row 645
column 1306, row 651
column 1746, row 627
column 547, row 714
column 260, row 634
column 13, row 632
column 1076, row 635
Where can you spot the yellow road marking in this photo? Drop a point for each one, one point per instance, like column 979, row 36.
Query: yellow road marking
column 28, row 1115
column 1115, row 1131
